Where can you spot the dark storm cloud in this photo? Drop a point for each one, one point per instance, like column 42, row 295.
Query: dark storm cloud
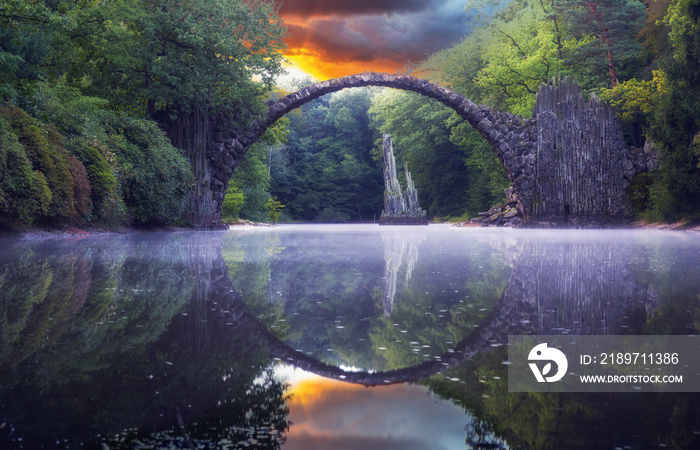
column 409, row 36
column 352, row 7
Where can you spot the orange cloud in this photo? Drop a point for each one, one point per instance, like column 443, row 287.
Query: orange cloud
column 322, row 69
column 333, row 414
column 342, row 37
column 313, row 390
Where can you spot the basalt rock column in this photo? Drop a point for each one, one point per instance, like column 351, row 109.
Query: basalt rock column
column 399, row 208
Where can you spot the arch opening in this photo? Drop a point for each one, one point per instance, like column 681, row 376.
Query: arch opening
column 511, row 138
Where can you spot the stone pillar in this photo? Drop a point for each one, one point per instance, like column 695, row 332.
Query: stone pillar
column 399, row 208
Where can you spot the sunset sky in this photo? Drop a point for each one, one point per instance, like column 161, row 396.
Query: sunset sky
column 331, row 414
column 332, row 38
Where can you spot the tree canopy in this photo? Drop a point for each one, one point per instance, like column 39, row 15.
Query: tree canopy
column 83, row 82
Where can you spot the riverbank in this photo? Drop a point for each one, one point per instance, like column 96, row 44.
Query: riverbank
column 637, row 224
column 40, row 233
column 676, row 226
column 72, row 232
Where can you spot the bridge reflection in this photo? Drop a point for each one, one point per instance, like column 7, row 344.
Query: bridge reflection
column 570, row 287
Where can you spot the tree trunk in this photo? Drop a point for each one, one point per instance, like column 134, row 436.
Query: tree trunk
column 611, row 66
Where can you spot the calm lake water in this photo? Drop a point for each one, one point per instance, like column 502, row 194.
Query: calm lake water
column 332, row 336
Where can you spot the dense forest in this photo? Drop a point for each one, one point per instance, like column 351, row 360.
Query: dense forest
column 93, row 92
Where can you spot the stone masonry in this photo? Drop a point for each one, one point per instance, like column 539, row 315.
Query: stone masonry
column 524, row 146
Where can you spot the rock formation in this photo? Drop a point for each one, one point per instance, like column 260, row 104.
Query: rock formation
column 399, row 208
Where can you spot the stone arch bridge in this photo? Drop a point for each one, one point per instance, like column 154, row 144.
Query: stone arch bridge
column 570, row 159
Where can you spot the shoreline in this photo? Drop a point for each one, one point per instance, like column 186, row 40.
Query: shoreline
column 73, row 232
column 675, row 226
column 634, row 225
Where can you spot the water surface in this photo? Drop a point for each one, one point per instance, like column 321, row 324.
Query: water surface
column 224, row 339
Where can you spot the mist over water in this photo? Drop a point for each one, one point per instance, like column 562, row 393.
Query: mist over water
column 178, row 338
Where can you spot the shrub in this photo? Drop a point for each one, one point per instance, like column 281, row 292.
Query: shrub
column 81, row 123
column 19, row 196
column 663, row 206
column 93, row 165
column 104, row 186
column 274, row 209
column 638, row 192
column 233, row 201
column 155, row 177
column 42, row 147
column 42, row 200
column 81, row 186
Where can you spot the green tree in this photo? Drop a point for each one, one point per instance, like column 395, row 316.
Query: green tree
column 154, row 176
column 608, row 29
column 677, row 122
column 252, row 179
column 328, row 174
column 24, row 193
column 526, row 48
column 179, row 62
column 654, row 36
column 274, row 209
column 233, row 201
column 636, row 102
column 175, row 56
column 249, row 187
column 176, row 62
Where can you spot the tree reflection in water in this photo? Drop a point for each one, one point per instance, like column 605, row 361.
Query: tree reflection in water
column 124, row 340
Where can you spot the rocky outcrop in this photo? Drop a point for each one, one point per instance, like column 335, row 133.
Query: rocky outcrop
column 580, row 154
column 504, row 214
column 645, row 159
column 400, row 208
column 581, row 166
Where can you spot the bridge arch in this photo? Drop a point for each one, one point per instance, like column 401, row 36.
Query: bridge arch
column 573, row 305
column 512, row 138
column 224, row 306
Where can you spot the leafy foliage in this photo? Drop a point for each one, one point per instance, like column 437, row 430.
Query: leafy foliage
column 97, row 70
column 607, row 29
column 325, row 172
column 53, row 181
column 677, row 121
column 181, row 55
column 233, row 201
column 102, row 167
column 636, row 102
column 154, row 176
column 21, row 196
column 274, row 209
